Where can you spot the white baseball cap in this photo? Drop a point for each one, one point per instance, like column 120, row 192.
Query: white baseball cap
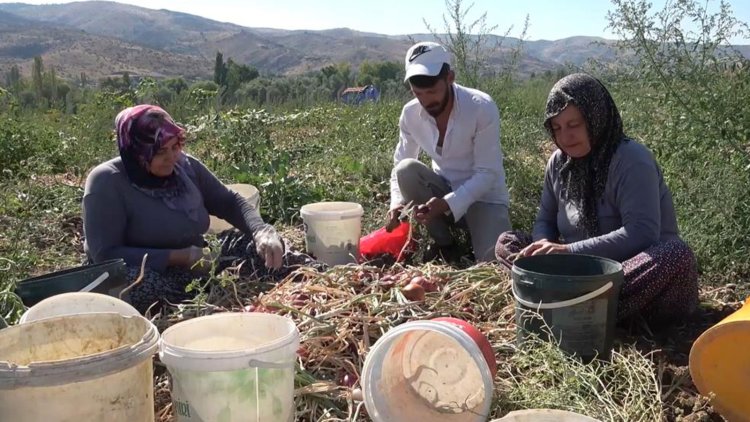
column 425, row 58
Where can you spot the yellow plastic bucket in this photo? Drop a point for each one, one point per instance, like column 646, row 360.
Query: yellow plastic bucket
column 720, row 363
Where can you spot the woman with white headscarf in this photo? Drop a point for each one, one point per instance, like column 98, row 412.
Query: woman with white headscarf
column 604, row 194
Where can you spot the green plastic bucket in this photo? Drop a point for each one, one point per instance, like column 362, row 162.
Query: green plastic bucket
column 85, row 278
column 576, row 297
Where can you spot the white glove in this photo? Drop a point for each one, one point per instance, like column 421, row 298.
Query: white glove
column 270, row 247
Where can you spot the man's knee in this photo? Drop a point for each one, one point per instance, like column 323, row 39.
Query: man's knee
column 511, row 242
column 408, row 168
column 412, row 176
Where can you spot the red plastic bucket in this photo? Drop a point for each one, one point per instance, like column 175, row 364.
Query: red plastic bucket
column 436, row 370
column 479, row 338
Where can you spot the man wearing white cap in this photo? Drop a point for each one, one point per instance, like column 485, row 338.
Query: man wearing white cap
column 459, row 128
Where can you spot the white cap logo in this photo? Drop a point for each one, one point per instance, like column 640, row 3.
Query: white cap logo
column 425, row 59
column 421, row 49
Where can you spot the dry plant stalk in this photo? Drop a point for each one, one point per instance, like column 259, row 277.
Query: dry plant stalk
column 137, row 280
column 341, row 313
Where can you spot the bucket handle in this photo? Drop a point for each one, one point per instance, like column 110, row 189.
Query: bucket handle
column 99, row 280
column 254, row 363
column 564, row 303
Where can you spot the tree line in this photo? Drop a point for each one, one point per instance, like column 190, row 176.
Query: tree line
column 233, row 84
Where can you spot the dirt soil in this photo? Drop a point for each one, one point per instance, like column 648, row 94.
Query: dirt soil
column 670, row 347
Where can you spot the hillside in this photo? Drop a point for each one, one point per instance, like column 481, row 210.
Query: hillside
column 102, row 38
column 73, row 52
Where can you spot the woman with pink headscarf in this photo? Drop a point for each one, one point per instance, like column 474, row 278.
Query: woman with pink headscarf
column 155, row 200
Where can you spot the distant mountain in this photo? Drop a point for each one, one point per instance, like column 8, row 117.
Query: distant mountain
column 71, row 51
column 102, row 38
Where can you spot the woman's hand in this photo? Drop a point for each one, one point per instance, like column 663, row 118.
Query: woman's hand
column 269, row 246
column 543, row 247
column 193, row 258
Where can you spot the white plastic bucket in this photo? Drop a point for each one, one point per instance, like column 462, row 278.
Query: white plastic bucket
column 232, row 367
column 75, row 304
column 427, row 371
column 544, row 415
column 91, row 367
column 332, row 231
column 217, row 225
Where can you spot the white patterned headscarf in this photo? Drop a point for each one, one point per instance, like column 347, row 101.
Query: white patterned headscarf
column 585, row 178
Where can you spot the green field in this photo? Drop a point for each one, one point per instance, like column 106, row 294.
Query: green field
column 331, row 151
column 338, row 152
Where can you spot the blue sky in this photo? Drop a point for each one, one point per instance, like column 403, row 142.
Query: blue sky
column 549, row 19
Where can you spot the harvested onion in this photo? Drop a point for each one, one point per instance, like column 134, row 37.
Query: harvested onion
column 428, row 285
column 413, row 292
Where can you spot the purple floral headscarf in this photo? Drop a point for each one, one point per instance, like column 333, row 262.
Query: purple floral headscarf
column 142, row 131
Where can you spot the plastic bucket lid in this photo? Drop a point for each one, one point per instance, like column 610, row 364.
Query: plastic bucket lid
column 73, row 348
column 230, row 341
column 77, row 303
column 331, row 211
column 427, row 370
column 544, row 415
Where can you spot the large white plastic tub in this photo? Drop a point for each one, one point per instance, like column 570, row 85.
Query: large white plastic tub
column 91, row 367
column 75, row 304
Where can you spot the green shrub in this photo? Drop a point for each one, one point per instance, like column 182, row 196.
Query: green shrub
column 685, row 98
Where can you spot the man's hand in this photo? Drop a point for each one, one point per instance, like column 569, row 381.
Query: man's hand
column 543, row 247
column 434, row 208
column 392, row 218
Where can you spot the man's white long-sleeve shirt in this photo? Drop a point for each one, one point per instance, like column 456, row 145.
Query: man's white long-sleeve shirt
column 471, row 160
